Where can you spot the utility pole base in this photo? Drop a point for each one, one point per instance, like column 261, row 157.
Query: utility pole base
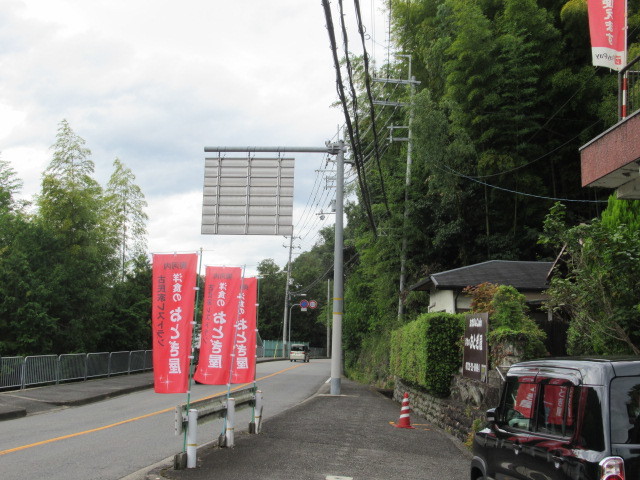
column 180, row 461
column 335, row 386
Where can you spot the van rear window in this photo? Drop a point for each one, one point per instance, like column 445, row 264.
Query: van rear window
column 558, row 408
column 625, row 410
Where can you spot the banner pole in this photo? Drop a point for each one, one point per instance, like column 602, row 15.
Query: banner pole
column 233, row 349
column 192, row 358
column 255, row 356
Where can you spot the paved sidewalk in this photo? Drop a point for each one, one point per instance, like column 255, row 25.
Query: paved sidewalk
column 347, row 436
column 18, row 403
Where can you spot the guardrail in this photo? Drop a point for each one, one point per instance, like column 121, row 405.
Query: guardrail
column 189, row 416
column 21, row 372
column 212, row 408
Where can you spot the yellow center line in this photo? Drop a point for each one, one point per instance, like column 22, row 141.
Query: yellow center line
column 105, row 427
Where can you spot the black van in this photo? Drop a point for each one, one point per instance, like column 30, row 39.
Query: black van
column 563, row 419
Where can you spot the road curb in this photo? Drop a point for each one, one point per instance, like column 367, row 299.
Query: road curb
column 99, row 397
column 10, row 413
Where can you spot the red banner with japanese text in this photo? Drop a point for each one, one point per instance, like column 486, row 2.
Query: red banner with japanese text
column 219, row 316
column 524, row 397
column 608, row 29
column 244, row 358
column 173, row 296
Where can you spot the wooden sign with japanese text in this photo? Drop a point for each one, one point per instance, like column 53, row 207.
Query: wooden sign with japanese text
column 474, row 362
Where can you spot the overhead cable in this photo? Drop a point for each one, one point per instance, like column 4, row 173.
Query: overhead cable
column 343, row 100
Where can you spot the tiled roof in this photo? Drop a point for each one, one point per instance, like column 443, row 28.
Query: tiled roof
column 524, row 276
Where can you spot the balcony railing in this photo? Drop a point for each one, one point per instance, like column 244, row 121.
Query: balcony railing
column 629, row 89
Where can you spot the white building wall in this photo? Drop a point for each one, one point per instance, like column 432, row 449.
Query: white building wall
column 442, row 301
column 445, row 300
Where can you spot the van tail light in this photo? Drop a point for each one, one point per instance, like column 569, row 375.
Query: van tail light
column 612, row 468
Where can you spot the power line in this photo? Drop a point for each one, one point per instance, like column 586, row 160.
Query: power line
column 355, row 136
column 313, row 189
column 459, row 174
column 367, row 82
column 343, row 101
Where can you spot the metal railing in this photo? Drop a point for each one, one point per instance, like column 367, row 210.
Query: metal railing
column 22, row 372
column 629, row 89
column 273, row 349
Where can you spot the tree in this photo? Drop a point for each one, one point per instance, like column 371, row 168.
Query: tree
column 128, row 316
column 25, row 324
column 60, row 289
column 28, row 286
column 271, row 299
column 126, row 203
column 10, row 185
column 72, row 207
column 621, row 213
column 504, row 102
column 597, row 284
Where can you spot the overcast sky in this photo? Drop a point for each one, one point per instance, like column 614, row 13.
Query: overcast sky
column 152, row 82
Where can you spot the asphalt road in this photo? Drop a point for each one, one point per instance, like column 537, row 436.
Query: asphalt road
column 111, row 439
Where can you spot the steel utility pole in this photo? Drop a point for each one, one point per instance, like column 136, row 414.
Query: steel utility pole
column 337, row 149
column 286, row 302
column 328, row 318
column 338, row 274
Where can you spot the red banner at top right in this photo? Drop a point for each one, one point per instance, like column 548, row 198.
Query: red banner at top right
column 608, row 28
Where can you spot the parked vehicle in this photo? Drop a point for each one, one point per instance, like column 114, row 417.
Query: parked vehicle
column 563, row 419
column 299, row 352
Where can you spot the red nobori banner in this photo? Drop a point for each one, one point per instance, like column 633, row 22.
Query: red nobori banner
column 174, row 281
column 219, row 316
column 608, row 29
column 244, row 366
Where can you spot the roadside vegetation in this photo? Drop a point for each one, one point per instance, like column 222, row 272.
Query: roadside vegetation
column 74, row 275
column 507, row 95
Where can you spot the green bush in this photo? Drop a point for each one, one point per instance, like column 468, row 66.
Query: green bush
column 427, row 351
column 511, row 327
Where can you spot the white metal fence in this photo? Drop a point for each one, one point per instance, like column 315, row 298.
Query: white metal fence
column 22, row 372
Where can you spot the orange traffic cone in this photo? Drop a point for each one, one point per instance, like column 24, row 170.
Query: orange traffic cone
column 405, row 421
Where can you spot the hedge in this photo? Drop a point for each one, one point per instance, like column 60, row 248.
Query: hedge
column 427, row 351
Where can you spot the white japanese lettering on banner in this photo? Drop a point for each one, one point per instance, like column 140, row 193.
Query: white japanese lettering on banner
column 246, row 333
column 241, row 336
column 608, row 30
column 219, row 320
column 219, row 316
column 175, row 316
